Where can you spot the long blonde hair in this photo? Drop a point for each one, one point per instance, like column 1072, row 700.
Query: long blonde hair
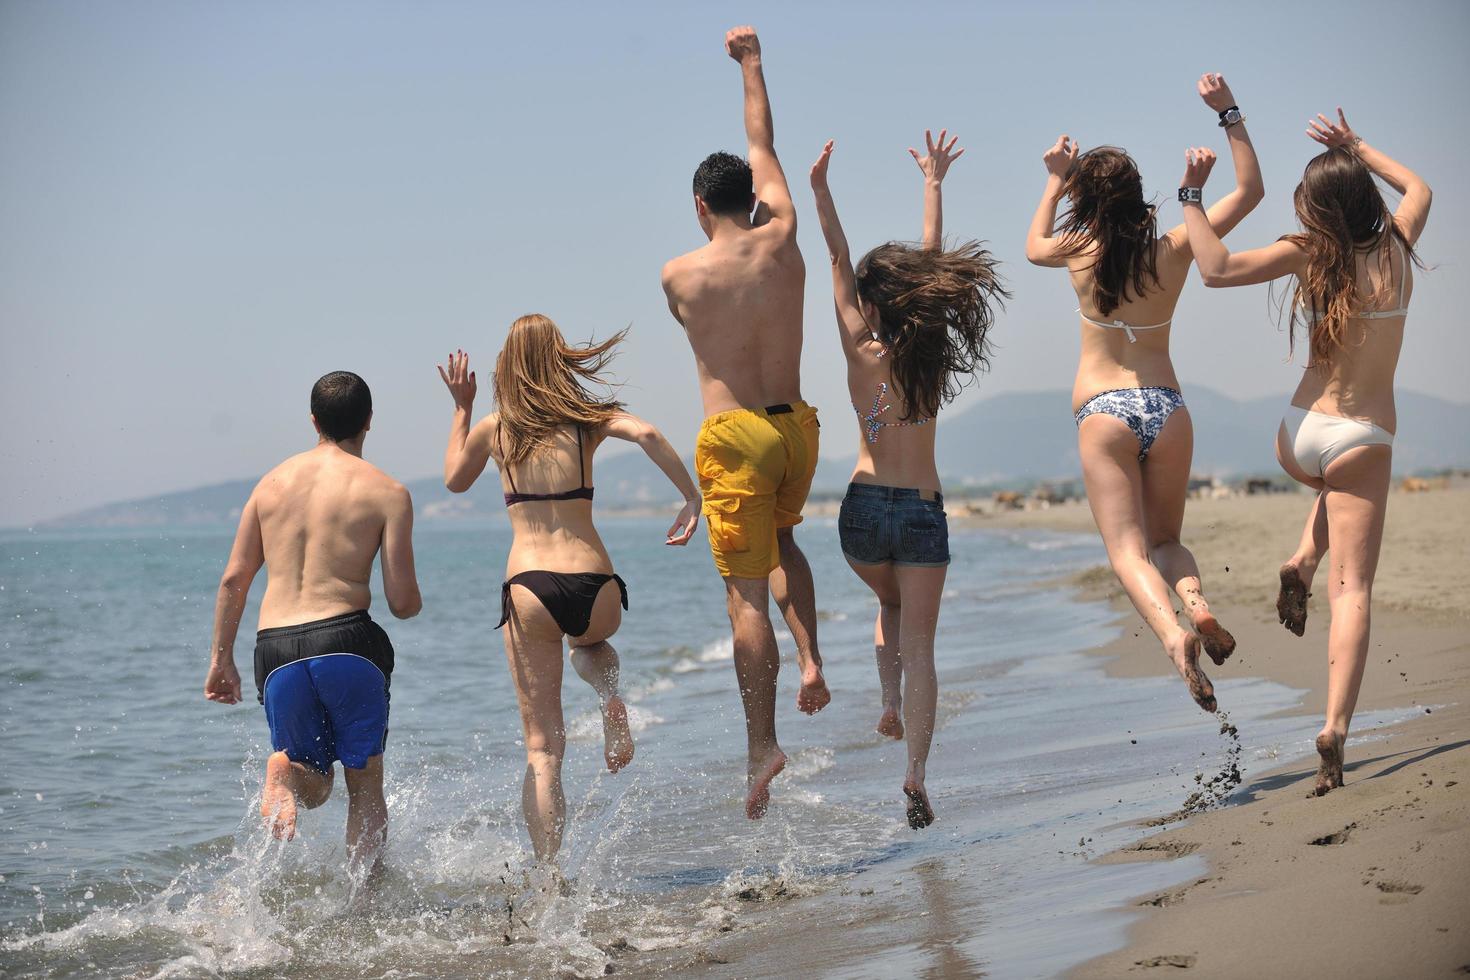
column 541, row 384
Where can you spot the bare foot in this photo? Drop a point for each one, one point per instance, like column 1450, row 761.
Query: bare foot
column 617, row 738
column 891, row 722
column 277, row 800
column 759, row 780
column 1186, row 660
column 813, row 696
column 1329, row 771
column 1291, row 601
column 919, row 812
column 1216, row 639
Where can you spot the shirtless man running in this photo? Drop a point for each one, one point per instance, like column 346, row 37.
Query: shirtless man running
column 322, row 665
column 739, row 299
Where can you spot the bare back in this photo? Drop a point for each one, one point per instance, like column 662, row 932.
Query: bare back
column 892, row 452
column 1357, row 381
column 322, row 515
column 1109, row 359
column 740, row 301
column 554, row 535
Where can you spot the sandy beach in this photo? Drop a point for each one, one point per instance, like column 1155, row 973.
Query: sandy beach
column 1369, row 881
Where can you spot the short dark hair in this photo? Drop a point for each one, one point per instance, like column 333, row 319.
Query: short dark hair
column 341, row 404
column 724, row 183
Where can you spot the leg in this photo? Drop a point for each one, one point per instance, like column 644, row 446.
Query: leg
column 791, row 585
column 921, row 589
column 287, row 785
column 1355, row 500
column 596, row 662
column 1165, row 487
column 1299, row 569
column 1114, row 481
column 367, row 816
column 757, row 663
column 533, row 648
column 884, row 583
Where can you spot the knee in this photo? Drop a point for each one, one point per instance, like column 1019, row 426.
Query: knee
column 1351, row 594
column 889, row 605
column 546, row 750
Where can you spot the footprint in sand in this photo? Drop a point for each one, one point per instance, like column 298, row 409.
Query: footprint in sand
column 1182, row 962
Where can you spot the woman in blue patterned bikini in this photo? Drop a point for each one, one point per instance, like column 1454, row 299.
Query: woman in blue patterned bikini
column 1133, row 432
column 913, row 321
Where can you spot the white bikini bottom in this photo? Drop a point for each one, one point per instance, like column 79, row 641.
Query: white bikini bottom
column 1317, row 438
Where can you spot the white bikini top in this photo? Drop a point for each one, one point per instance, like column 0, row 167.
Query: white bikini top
column 1312, row 316
column 1127, row 328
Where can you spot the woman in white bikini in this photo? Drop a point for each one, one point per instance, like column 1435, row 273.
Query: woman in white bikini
column 1353, row 262
column 1134, row 434
column 560, row 587
column 913, row 321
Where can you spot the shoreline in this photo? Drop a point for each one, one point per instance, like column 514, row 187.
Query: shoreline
column 1392, row 847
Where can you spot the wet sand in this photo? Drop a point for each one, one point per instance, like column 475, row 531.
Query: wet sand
column 1372, row 880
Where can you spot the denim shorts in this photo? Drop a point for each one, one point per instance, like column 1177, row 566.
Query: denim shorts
column 892, row 524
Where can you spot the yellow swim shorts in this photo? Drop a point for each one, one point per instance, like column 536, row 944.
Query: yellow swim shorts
column 755, row 468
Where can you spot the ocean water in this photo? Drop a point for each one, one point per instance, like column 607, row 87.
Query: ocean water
column 131, row 845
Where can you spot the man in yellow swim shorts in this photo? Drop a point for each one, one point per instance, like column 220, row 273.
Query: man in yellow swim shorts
column 740, row 301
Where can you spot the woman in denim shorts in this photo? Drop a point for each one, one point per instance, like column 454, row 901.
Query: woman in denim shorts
column 913, row 321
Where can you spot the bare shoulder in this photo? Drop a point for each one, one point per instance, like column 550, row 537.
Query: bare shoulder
column 677, row 269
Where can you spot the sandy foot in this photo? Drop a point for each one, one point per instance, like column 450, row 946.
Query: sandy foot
column 1291, row 601
column 617, row 738
column 1329, row 771
column 759, row 779
column 891, row 722
column 277, row 801
column 1216, row 639
column 813, row 696
column 1186, row 661
column 920, row 814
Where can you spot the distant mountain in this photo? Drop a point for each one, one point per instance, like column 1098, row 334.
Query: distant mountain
column 1007, row 439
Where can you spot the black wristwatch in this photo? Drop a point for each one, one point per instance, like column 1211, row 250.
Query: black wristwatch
column 1190, row 195
column 1229, row 117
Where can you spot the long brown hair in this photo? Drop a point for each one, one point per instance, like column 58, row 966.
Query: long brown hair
column 1107, row 214
column 934, row 310
column 541, row 384
column 1342, row 213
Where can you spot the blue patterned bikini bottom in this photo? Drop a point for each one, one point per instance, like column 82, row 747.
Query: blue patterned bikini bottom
column 1144, row 410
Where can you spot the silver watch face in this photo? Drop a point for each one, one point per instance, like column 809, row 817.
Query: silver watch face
column 1231, row 117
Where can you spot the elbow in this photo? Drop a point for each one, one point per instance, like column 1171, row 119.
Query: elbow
column 647, row 435
column 234, row 581
column 456, row 484
column 1255, row 193
column 406, row 607
column 1213, row 279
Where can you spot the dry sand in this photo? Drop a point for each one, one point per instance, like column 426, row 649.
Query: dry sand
column 1372, row 880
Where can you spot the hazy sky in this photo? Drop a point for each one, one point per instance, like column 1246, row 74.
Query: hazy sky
column 205, row 206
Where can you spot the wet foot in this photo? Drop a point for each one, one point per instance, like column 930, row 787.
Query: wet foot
column 920, row 814
column 617, row 738
column 1291, row 601
column 1329, row 771
column 891, row 722
column 1186, row 660
column 277, row 801
column 813, row 696
column 758, row 797
column 1216, row 639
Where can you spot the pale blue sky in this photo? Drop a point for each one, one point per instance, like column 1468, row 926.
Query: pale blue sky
column 203, row 207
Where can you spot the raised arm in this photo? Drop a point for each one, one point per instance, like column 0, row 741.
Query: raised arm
column 1413, row 210
column 633, row 429
column 773, row 196
column 1217, row 267
column 222, row 684
column 851, row 326
column 1042, row 248
column 468, row 450
column 934, row 164
column 400, row 582
column 1249, row 189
